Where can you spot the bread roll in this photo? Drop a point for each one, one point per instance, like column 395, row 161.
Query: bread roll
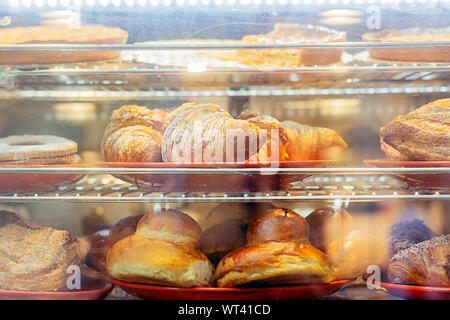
column 143, row 260
column 278, row 225
column 327, row 224
column 162, row 251
column 274, row 263
column 172, row 226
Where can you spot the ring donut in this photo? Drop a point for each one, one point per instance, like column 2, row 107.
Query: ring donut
column 37, row 149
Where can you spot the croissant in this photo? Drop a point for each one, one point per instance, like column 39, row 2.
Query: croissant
column 426, row 263
column 298, row 142
column 134, row 134
column 207, row 133
column 422, row 134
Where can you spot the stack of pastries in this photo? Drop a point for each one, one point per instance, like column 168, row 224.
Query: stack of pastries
column 207, row 133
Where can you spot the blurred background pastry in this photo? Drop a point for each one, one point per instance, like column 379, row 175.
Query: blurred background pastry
column 328, row 224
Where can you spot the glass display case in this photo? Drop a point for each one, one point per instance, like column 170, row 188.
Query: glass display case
column 231, row 149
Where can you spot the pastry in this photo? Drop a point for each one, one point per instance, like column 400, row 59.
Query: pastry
column 101, row 241
column 134, row 134
column 162, row 251
column 288, row 58
column 35, row 258
column 295, row 141
column 426, row 263
column 313, row 143
column 422, row 134
column 328, row 224
column 433, row 53
column 83, row 35
column 353, row 252
column 207, row 133
column 37, row 150
column 277, row 253
column 408, row 233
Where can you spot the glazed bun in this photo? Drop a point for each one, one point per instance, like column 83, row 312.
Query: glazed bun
column 274, row 263
column 143, row 260
column 162, row 251
column 327, row 224
column 172, row 226
column 223, row 238
column 278, row 225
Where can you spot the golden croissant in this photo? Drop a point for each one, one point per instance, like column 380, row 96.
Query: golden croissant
column 426, row 263
column 134, row 134
column 297, row 142
column 207, row 133
column 422, row 134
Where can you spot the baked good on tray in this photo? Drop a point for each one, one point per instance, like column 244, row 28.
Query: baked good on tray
column 162, row 251
column 82, row 35
column 35, row 258
column 285, row 33
column 37, row 150
column 207, row 133
column 134, row 134
column 426, row 263
column 422, row 134
column 277, row 252
column 295, row 141
column 433, row 53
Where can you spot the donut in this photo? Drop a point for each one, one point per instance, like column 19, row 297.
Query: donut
column 37, row 149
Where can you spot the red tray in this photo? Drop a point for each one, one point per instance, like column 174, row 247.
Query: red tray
column 294, row 292
column 96, row 292
column 28, row 182
column 425, row 180
column 215, row 182
column 417, row 292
